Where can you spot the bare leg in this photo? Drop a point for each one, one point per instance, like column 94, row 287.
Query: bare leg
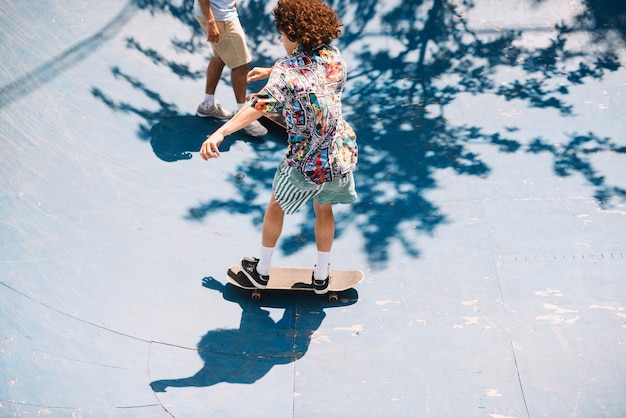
column 272, row 223
column 238, row 77
column 324, row 226
column 213, row 74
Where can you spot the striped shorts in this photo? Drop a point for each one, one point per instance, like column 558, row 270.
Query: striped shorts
column 291, row 190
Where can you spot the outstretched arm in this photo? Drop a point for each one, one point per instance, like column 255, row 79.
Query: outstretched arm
column 259, row 73
column 244, row 117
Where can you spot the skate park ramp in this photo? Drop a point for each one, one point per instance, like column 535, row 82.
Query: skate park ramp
column 490, row 224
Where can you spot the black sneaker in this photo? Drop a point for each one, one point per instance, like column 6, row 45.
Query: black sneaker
column 320, row 286
column 248, row 266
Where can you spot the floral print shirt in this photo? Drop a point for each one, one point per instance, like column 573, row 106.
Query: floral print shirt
column 306, row 86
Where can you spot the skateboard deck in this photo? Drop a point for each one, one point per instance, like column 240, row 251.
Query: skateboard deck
column 296, row 278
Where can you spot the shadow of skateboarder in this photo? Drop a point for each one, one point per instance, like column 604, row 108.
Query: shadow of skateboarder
column 247, row 354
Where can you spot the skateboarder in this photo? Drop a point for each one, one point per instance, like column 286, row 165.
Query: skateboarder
column 306, row 86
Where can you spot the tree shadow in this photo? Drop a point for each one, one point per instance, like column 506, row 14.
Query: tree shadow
column 406, row 75
column 246, row 354
column 576, row 157
column 604, row 15
column 52, row 68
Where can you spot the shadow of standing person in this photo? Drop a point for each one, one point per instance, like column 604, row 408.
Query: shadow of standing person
column 175, row 137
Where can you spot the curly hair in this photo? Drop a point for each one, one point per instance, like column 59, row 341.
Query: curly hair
column 311, row 23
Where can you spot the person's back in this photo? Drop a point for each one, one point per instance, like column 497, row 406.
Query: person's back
column 307, row 86
column 312, row 82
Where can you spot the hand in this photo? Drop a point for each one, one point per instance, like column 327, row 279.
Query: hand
column 210, row 146
column 213, row 33
column 211, row 283
column 259, row 73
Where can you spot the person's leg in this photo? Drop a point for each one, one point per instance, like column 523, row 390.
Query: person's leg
column 214, row 69
column 238, row 77
column 257, row 270
column 338, row 191
column 209, row 106
column 324, row 226
column 213, row 74
column 272, row 228
column 324, row 237
column 272, row 223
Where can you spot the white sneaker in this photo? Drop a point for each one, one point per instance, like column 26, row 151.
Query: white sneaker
column 255, row 129
column 215, row 111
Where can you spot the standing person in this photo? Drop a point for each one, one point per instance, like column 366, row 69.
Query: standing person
column 220, row 22
column 306, row 86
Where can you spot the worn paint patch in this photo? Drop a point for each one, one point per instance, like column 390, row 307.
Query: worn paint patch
column 357, row 328
column 469, row 320
column 470, row 302
column 417, row 320
column 548, row 292
column 492, row 392
column 317, row 337
column 557, row 309
column 386, row 302
column 559, row 315
column 617, row 212
column 609, row 308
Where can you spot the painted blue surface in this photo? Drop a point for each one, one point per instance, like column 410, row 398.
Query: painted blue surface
column 490, row 225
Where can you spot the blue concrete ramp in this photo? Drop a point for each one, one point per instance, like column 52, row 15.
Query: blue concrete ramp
column 490, row 225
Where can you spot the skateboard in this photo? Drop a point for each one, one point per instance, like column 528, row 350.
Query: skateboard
column 296, row 278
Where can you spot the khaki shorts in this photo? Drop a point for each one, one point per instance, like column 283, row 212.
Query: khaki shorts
column 231, row 47
column 291, row 190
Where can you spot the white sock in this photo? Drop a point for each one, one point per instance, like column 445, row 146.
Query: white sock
column 265, row 260
column 321, row 268
column 209, row 99
column 240, row 105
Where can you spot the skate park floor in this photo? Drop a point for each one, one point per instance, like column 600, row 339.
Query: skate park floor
column 490, row 223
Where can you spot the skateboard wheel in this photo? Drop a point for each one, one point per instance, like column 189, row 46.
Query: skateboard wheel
column 256, row 295
column 333, row 297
